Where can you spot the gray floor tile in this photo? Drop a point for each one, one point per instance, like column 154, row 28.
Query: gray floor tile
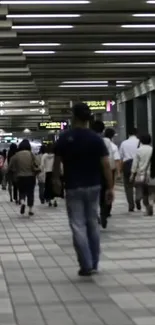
column 38, row 270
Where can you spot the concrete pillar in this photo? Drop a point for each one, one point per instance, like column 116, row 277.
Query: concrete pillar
column 141, row 114
column 129, row 116
column 152, row 105
column 149, row 112
column 121, row 126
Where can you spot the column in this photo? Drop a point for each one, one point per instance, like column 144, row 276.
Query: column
column 141, row 114
column 152, row 113
column 121, row 120
column 129, row 116
column 149, row 112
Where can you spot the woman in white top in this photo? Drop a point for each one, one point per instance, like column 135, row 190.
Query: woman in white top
column 47, row 167
column 140, row 171
column 115, row 159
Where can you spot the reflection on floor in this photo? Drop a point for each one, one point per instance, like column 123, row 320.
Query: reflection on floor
column 38, row 270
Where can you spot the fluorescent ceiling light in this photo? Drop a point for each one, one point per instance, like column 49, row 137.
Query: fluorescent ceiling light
column 45, row 2
column 124, row 82
column 85, row 82
column 34, row 101
column 139, row 26
column 44, row 16
column 131, row 63
column 40, row 44
column 151, row 2
column 120, row 85
column 38, row 52
column 128, row 44
column 42, row 27
column 126, row 52
column 144, row 15
column 83, row 86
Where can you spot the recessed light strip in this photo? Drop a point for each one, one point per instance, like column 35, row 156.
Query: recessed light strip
column 44, row 16
column 124, row 81
column 85, row 82
column 84, row 86
column 42, row 27
column 126, row 52
column 144, row 15
column 145, row 26
column 38, row 52
column 128, row 44
column 40, row 44
column 45, row 2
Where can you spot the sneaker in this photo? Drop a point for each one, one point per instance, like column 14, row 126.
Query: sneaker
column 85, row 272
column 55, row 204
column 138, row 205
column 104, row 223
column 131, row 209
column 22, row 209
column 31, row 214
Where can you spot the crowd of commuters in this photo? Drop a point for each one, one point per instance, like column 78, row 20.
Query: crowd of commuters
column 85, row 162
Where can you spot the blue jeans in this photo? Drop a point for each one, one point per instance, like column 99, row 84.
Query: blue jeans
column 82, row 208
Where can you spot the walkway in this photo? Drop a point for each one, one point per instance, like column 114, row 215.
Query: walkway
column 38, row 271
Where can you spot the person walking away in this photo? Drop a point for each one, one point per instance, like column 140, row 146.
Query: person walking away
column 4, row 170
column 24, row 164
column 149, row 191
column 99, row 127
column 109, row 134
column 47, row 167
column 12, row 180
column 83, row 154
column 41, row 175
column 1, row 166
column 128, row 150
column 140, row 171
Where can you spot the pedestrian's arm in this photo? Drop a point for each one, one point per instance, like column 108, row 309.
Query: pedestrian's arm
column 106, row 169
column 57, row 167
column 134, row 166
column 121, row 152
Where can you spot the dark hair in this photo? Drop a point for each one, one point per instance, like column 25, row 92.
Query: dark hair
column 98, row 126
column 109, row 133
column 145, row 139
column 42, row 150
column 153, row 164
column 50, row 148
column 4, row 153
column 82, row 112
column 133, row 131
column 24, row 145
column 12, row 151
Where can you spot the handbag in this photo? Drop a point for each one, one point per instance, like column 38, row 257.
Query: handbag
column 35, row 167
column 143, row 179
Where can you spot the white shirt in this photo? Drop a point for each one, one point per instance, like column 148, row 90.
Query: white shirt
column 109, row 147
column 142, row 159
column 115, row 151
column 128, row 148
column 47, row 162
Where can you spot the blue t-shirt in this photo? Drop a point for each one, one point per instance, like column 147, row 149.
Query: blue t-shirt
column 81, row 151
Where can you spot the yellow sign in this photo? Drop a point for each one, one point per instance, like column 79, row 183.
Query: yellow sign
column 97, row 105
column 109, row 124
column 50, row 125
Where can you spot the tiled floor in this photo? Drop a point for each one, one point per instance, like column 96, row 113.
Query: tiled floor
column 38, row 280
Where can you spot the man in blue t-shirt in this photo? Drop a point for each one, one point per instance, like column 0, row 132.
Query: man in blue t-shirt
column 83, row 154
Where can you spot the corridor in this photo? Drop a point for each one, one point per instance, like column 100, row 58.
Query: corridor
column 38, row 270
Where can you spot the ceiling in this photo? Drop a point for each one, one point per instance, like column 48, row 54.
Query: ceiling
column 73, row 32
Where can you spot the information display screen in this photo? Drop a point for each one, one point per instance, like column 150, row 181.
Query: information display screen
column 52, row 125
